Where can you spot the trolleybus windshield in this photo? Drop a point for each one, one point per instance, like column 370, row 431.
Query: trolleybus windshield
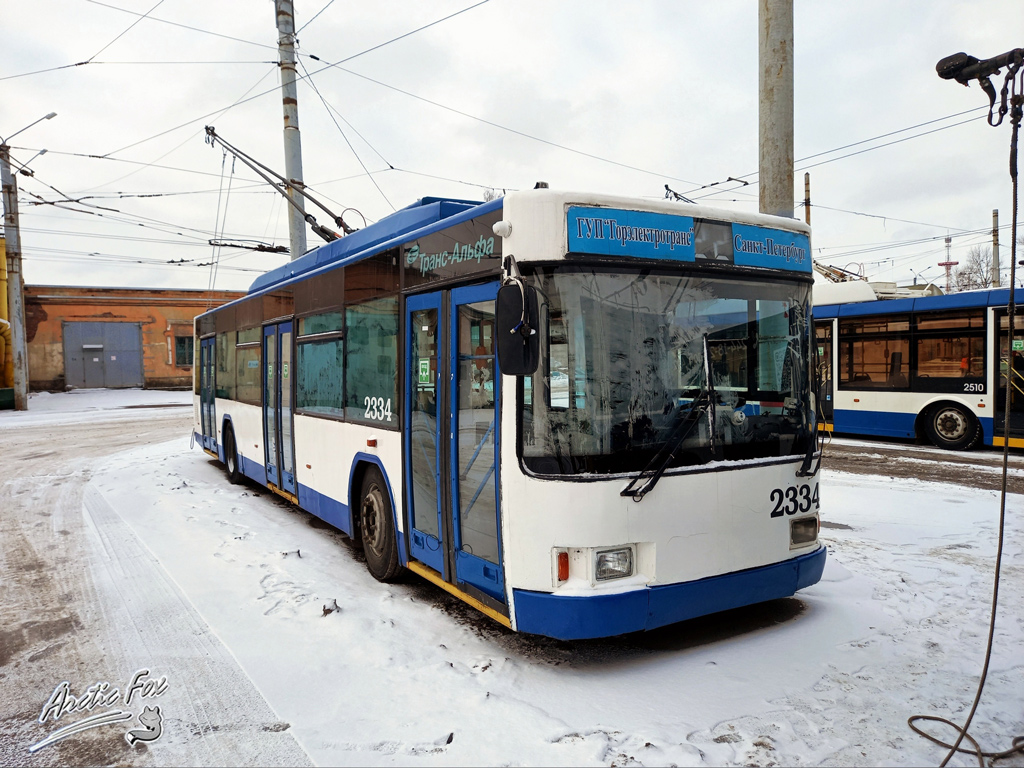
column 624, row 359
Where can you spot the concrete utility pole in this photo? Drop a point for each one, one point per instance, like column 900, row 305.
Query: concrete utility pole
column 775, row 114
column 15, row 290
column 807, row 197
column 292, row 142
column 995, row 247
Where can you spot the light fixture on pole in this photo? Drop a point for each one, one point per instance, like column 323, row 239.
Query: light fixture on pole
column 15, row 285
column 23, row 168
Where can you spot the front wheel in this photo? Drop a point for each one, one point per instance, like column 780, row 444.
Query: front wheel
column 231, row 457
column 953, row 427
column 377, row 528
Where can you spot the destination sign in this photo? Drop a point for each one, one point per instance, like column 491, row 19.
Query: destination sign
column 774, row 248
column 649, row 235
column 640, row 234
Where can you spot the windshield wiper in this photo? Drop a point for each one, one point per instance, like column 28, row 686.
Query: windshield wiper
column 704, row 403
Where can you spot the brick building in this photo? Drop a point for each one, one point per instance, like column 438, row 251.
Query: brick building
column 113, row 337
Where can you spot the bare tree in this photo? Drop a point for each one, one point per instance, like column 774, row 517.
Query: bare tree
column 976, row 271
column 492, row 194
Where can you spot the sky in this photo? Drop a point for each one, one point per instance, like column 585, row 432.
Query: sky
column 456, row 98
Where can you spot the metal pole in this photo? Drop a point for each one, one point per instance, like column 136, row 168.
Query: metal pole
column 15, row 290
column 775, row 114
column 807, row 197
column 292, row 142
column 995, row 248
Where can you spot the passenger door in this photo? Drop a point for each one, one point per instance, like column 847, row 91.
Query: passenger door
column 452, row 436
column 278, row 373
column 207, row 394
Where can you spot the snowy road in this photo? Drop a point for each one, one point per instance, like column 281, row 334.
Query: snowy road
column 123, row 550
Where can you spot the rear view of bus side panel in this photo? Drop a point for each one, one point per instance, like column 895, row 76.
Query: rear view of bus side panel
column 330, row 453
column 246, row 423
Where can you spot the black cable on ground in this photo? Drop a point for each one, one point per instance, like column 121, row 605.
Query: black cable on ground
column 1016, row 109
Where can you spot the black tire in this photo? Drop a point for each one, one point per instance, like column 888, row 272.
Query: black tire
column 377, row 528
column 231, row 457
column 953, row 427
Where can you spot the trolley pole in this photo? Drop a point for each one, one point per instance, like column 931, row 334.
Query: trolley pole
column 15, row 290
column 292, row 142
column 775, row 113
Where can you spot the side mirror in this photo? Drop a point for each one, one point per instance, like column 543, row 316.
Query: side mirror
column 517, row 337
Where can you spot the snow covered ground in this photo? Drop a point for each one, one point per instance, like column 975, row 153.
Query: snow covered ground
column 83, row 405
column 404, row 674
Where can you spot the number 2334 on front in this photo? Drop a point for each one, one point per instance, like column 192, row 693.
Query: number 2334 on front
column 796, row 498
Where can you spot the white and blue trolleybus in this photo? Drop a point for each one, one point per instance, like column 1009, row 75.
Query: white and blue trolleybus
column 930, row 367
column 583, row 415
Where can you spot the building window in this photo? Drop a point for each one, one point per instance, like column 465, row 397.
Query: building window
column 183, row 351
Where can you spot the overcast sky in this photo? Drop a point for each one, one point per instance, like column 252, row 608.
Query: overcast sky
column 584, row 94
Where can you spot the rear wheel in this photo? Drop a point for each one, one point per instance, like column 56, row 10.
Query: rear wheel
column 377, row 528
column 953, row 427
column 231, row 456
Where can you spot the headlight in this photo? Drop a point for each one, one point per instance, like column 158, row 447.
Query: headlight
column 803, row 531
column 613, row 563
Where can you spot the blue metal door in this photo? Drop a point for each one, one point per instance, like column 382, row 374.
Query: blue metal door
column 451, row 437
column 278, row 373
column 424, row 424
column 475, row 432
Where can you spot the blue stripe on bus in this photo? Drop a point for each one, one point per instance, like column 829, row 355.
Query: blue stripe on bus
column 328, row 509
column 877, row 423
column 580, row 617
column 987, row 429
column 339, row 514
column 254, row 470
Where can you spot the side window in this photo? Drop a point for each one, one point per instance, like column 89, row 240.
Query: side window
column 248, row 384
column 321, row 359
column 225, row 367
column 371, row 362
column 874, row 352
column 950, row 352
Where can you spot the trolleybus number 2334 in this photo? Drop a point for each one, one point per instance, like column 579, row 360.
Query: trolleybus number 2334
column 575, row 433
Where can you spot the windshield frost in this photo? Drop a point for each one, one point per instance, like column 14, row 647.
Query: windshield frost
column 623, row 360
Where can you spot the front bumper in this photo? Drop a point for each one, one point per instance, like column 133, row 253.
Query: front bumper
column 577, row 617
